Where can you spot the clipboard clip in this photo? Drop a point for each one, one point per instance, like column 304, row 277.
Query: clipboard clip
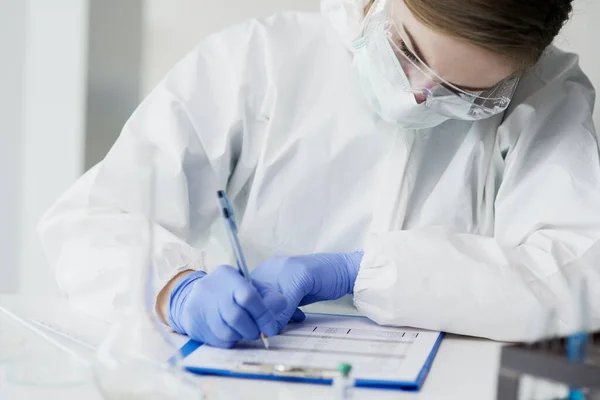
column 287, row 370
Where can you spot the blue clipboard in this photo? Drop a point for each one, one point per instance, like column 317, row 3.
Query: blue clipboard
column 415, row 385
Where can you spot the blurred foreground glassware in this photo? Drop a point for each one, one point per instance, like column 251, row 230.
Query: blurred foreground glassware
column 30, row 357
column 139, row 358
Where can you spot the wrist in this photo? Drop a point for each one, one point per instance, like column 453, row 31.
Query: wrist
column 164, row 296
column 178, row 297
column 352, row 262
column 341, row 269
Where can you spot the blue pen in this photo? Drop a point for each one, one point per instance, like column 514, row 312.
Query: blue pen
column 576, row 352
column 576, row 344
column 232, row 230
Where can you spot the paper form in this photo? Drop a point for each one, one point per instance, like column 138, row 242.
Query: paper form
column 322, row 341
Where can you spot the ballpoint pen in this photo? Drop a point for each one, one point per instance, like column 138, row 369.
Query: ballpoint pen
column 231, row 227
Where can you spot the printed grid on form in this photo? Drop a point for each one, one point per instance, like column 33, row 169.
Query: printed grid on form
column 322, row 341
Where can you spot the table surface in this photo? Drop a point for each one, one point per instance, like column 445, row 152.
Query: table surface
column 464, row 368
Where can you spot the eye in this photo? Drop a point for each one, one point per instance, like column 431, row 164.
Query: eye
column 464, row 93
column 451, row 88
column 409, row 54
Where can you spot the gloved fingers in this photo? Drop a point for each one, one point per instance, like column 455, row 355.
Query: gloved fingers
column 240, row 321
column 220, row 329
column 293, row 301
column 284, row 318
column 197, row 329
column 211, row 340
column 291, row 314
column 272, row 298
column 310, row 299
column 248, row 298
column 298, row 316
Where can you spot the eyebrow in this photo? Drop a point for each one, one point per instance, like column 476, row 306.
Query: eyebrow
column 415, row 48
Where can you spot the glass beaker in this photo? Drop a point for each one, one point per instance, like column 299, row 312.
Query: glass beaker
column 138, row 359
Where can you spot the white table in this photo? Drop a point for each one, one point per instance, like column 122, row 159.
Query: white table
column 464, row 368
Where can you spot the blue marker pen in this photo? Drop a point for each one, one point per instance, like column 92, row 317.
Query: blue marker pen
column 576, row 351
column 232, row 230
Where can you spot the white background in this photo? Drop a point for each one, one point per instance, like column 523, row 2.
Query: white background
column 12, row 44
column 43, row 76
column 174, row 27
column 43, row 103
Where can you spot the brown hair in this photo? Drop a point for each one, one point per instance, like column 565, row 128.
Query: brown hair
column 518, row 29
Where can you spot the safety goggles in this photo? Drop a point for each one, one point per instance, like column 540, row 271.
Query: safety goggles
column 428, row 87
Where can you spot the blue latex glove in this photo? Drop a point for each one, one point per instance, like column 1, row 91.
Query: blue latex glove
column 307, row 279
column 222, row 307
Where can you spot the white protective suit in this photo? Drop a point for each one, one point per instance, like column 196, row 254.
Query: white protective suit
column 468, row 227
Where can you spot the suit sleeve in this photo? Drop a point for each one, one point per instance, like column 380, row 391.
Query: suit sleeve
column 516, row 284
column 188, row 134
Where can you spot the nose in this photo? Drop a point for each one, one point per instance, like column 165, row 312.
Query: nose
column 422, row 90
column 420, row 97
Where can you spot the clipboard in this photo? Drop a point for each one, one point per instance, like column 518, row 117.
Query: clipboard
column 322, row 341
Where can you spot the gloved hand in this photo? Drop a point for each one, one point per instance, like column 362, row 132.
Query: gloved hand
column 222, row 307
column 307, row 279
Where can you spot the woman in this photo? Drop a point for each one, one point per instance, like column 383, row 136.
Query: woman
column 435, row 159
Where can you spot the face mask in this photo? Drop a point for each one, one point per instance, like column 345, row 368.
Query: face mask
column 387, row 87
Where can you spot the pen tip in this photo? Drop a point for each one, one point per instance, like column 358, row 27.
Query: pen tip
column 221, row 194
column 265, row 341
